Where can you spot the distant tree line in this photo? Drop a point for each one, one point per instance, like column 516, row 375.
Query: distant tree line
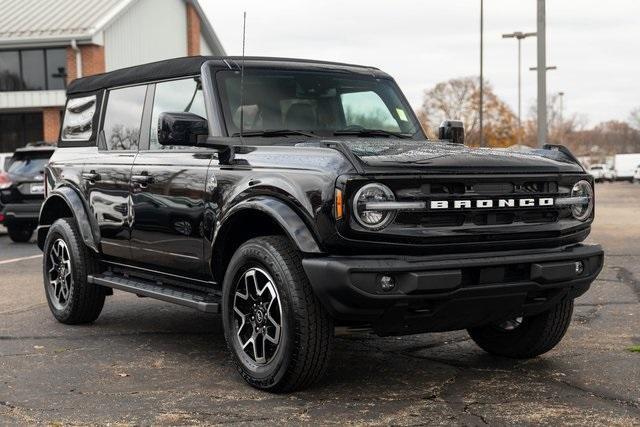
column 459, row 99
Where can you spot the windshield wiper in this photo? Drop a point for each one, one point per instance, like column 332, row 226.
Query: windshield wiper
column 372, row 132
column 274, row 132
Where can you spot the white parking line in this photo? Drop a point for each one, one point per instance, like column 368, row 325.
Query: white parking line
column 24, row 258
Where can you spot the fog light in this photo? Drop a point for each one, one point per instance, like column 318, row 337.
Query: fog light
column 387, row 283
column 579, row 267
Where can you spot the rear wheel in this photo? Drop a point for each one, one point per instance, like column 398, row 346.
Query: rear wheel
column 525, row 337
column 20, row 233
column 277, row 331
column 66, row 264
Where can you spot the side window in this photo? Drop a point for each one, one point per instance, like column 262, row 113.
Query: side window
column 368, row 110
column 78, row 118
column 122, row 118
column 175, row 96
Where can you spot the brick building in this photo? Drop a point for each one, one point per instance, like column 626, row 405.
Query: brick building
column 44, row 44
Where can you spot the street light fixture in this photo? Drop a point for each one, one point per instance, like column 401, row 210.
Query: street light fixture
column 518, row 35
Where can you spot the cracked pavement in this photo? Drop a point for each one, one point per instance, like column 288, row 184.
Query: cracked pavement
column 148, row 362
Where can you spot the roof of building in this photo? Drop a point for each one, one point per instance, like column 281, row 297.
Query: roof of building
column 25, row 22
column 190, row 65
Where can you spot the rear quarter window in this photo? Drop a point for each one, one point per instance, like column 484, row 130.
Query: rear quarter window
column 79, row 118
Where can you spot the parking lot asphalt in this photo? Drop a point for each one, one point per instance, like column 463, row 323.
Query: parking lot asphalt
column 148, row 362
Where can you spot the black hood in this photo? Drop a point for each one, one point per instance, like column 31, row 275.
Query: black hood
column 444, row 157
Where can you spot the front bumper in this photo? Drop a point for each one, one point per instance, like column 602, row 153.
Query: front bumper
column 449, row 292
column 22, row 212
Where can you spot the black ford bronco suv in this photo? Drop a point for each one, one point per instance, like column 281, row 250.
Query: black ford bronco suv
column 293, row 196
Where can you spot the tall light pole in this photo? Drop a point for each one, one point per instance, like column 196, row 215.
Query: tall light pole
column 544, row 110
column 561, row 95
column 518, row 35
column 542, row 74
column 481, row 71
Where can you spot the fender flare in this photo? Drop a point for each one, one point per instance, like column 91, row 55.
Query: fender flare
column 88, row 230
column 288, row 219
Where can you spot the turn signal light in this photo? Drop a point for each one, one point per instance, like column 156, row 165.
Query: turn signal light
column 339, row 204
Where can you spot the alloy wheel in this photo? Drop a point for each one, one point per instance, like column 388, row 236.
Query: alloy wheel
column 59, row 271
column 258, row 316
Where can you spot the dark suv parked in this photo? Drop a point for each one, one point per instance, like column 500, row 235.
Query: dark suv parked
column 22, row 190
column 293, row 196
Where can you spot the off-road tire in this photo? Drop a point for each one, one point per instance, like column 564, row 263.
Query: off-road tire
column 536, row 335
column 85, row 299
column 20, row 234
column 307, row 330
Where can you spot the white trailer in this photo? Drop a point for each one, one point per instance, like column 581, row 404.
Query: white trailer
column 625, row 165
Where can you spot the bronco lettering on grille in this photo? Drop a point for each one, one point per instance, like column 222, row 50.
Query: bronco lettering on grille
column 491, row 203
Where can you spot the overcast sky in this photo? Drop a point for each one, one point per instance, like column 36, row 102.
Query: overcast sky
column 594, row 44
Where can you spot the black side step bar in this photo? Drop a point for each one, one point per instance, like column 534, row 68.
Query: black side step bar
column 202, row 301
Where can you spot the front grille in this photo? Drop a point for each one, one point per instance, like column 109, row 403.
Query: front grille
column 451, row 227
column 468, row 189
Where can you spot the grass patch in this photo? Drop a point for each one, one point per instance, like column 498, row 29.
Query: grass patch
column 634, row 349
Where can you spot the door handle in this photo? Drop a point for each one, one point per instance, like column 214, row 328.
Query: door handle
column 91, row 176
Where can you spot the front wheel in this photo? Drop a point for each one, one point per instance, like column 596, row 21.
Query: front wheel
column 278, row 333
column 525, row 337
column 20, row 234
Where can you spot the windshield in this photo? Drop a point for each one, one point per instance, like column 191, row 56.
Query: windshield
column 314, row 103
column 30, row 165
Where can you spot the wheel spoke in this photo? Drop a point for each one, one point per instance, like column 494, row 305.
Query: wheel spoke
column 55, row 250
column 64, row 291
column 275, row 338
column 58, row 290
column 54, row 260
column 261, row 358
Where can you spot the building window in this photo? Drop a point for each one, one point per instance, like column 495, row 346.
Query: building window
column 18, row 129
column 33, row 69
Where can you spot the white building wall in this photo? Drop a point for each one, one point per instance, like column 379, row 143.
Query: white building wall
column 205, row 50
column 150, row 30
column 32, row 99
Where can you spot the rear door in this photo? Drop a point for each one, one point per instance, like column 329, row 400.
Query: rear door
column 168, row 187
column 107, row 174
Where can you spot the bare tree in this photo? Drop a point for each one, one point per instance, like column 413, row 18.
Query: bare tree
column 458, row 99
column 561, row 125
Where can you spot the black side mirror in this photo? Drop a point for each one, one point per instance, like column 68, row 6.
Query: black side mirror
column 451, row 130
column 181, row 129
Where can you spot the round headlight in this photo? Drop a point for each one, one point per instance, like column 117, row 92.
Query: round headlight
column 370, row 218
column 583, row 191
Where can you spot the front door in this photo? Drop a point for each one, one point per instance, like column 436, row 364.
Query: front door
column 168, row 189
column 106, row 176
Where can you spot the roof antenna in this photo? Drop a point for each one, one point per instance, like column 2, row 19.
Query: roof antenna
column 244, row 31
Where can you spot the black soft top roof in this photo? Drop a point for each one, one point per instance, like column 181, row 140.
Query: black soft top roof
column 190, row 65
